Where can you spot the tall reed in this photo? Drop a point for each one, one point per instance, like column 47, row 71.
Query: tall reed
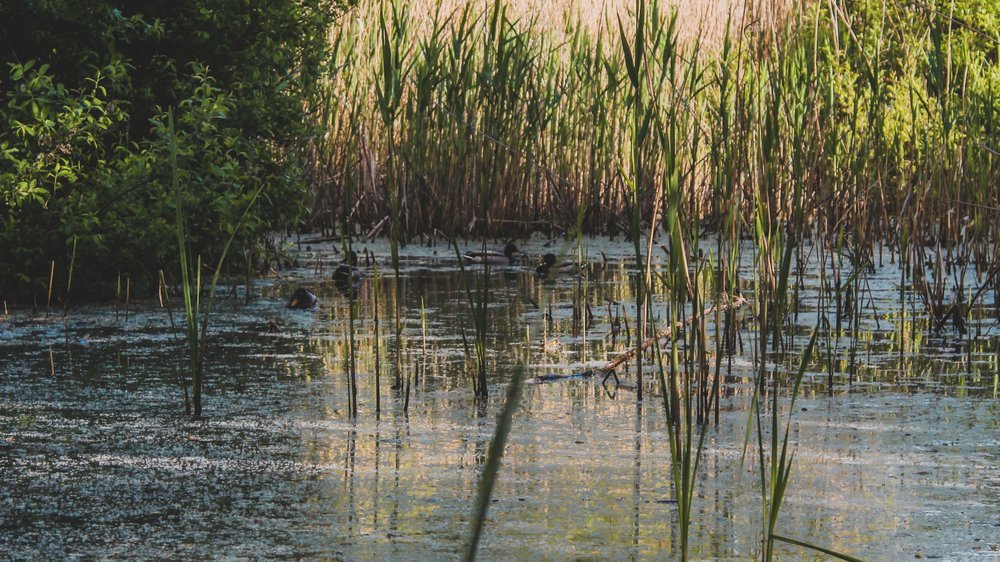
column 191, row 284
column 780, row 464
column 389, row 96
column 479, row 306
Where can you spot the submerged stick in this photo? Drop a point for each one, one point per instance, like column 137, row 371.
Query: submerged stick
column 666, row 333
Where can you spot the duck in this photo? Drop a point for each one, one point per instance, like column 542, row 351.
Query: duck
column 549, row 265
column 347, row 272
column 303, row 299
column 509, row 256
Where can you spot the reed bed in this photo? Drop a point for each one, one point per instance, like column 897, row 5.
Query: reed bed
column 486, row 119
column 856, row 125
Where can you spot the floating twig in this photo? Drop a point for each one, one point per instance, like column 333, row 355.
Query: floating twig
column 664, row 334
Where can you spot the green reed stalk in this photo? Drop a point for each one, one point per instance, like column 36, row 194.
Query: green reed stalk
column 118, row 294
column 165, row 292
column 389, row 95
column 189, row 290
column 726, row 202
column 686, row 392
column 192, row 288
column 634, row 52
column 69, row 280
column 780, row 463
column 52, row 276
column 352, row 376
column 351, row 351
column 481, row 316
column 377, row 294
column 480, row 308
column 128, row 296
column 423, row 340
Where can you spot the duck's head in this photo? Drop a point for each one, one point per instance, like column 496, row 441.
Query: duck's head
column 510, row 250
column 548, row 260
column 351, row 258
column 302, row 299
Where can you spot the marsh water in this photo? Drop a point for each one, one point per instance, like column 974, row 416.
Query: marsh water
column 896, row 434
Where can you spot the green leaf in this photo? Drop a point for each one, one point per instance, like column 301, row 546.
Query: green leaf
column 630, row 66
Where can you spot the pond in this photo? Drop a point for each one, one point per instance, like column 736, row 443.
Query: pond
column 897, row 449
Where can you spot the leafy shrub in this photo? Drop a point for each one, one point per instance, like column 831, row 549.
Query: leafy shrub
column 83, row 140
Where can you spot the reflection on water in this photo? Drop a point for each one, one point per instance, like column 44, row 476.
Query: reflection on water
column 896, row 438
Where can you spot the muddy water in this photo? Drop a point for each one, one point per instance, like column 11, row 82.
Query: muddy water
column 897, row 449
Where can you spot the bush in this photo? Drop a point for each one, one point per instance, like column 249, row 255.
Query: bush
column 83, row 138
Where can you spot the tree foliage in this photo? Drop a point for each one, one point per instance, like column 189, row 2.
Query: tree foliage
column 84, row 89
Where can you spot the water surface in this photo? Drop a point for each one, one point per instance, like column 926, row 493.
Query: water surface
column 896, row 435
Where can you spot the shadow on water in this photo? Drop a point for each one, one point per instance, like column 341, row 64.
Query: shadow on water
column 896, row 433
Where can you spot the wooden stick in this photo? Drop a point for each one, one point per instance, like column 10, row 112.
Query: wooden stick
column 668, row 333
column 374, row 231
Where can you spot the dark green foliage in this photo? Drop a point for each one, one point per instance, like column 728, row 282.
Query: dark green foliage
column 910, row 93
column 84, row 89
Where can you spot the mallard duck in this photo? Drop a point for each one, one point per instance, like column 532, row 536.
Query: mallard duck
column 549, row 266
column 509, row 256
column 347, row 272
column 303, row 299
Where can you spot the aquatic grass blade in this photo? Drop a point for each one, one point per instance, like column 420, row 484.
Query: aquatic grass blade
column 487, row 480
column 817, row 548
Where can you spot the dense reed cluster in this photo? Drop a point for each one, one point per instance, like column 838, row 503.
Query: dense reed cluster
column 480, row 120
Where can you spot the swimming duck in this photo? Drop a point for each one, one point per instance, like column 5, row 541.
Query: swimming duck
column 509, row 256
column 347, row 272
column 549, row 265
column 303, row 299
